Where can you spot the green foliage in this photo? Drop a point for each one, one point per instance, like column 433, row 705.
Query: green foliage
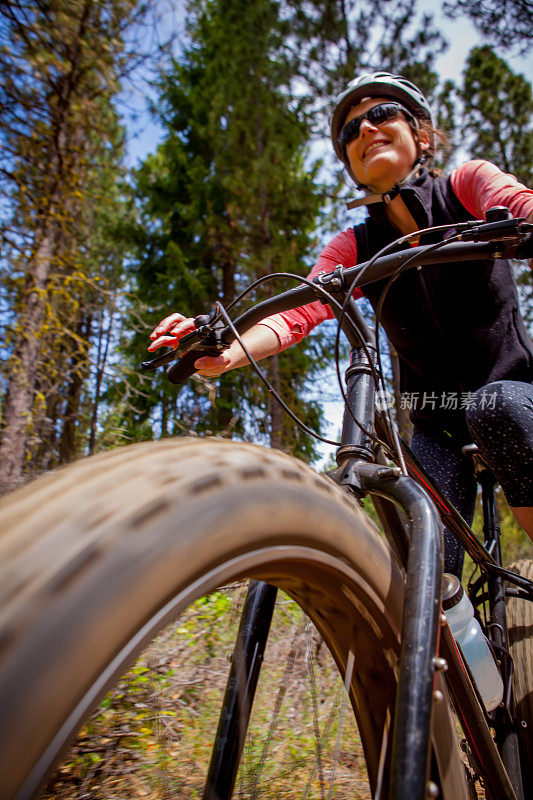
column 152, row 735
column 498, row 123
column 225, row 199
column 348, row 38
column 515, row 542
column 497, row 126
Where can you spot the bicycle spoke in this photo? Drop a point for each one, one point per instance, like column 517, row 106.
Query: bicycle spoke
column 293, row 654
column 347, row 682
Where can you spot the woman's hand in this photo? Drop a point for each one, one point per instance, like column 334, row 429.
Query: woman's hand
column 170, row 330
column 260, row 340
column 174, row 327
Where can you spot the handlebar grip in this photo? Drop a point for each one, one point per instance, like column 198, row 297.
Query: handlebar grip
column 181, row 370
column 525, row 248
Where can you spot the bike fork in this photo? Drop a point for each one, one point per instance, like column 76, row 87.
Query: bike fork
column 240, row 690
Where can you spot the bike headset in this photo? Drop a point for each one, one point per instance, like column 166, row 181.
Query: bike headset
column 395, row 87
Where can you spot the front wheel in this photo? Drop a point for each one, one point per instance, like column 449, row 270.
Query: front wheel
column 97, row 558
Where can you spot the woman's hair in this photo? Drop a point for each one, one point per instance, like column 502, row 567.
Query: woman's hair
column 436, row 135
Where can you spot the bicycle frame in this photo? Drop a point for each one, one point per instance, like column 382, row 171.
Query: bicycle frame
column 422, row 502
column 423, row 584
column 417, row 540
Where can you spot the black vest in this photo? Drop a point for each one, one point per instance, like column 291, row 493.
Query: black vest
column 455, row 327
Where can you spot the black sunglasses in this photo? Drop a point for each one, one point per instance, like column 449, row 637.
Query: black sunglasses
column 375, row 115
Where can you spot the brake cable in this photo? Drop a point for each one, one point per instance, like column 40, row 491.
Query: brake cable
column 319, row 289
column 378, row 380
column 266, row 382
column 344, row 311
column 332, row 301
column 406, row 265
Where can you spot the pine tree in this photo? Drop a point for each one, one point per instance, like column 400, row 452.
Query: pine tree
column 499, row 127
column 503, row 23
column 335, row 41
column 225, row 199
column 498, row 123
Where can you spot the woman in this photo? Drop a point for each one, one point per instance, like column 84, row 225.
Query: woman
column 466, row 360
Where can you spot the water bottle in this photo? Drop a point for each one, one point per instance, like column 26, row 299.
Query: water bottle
column 467, row 632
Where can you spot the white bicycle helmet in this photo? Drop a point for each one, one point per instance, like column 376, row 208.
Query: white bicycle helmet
column 377, row 84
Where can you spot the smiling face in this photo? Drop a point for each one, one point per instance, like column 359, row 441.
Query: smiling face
column 382, row 154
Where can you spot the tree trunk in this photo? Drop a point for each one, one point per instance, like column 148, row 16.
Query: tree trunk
column 228, row 281
column 275, row 410
column 164, row 414
column 42, row 451
column 101, row 362
column 78, row 372
column 68, row 450
column 20, row 392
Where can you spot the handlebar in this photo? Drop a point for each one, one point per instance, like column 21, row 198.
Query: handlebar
column 510, row 238
column 183, row 369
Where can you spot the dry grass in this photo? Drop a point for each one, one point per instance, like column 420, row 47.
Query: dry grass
column 151, row 737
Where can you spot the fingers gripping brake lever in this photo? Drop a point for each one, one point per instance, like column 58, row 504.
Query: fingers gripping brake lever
column 206, row 340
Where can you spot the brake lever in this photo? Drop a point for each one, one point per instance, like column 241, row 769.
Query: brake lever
column 211, row 329
column 170, row 354
column 209, row 333
column 499, row 225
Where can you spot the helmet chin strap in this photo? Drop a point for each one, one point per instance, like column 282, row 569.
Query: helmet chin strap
column 386, row 197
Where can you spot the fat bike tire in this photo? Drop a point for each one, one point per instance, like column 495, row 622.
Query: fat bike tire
column 96, row 558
